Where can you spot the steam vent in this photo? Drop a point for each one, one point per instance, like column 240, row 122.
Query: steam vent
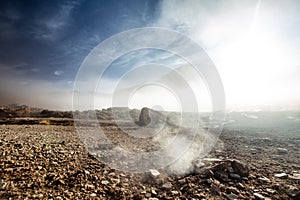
column 144, row 118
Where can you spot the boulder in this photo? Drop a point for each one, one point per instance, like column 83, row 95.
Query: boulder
column 144, row 118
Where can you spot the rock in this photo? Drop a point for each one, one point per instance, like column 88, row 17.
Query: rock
column 234, row 176
column 153, row 192
column 293, row 191
column 270, row 191
column 215, row 189
column 112, row 174
column 281, row 175
column 167, row 185
column 154, row 173
column 232, row 190
column 148, row 194
column 89, row 186
column 144, row 118
column 232, row 196
column 222, row 175
column 230, row 169
column 240, row 168
column 240, row 186
column 212, row 159
column 282, row 151
column 181, row 181
column 93, row 195
column 174, row 192
column 264, row 180
column 105, row 182
column 258, row 196
column 295, row 176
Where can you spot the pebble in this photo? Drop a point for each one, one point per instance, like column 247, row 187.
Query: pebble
column 232, row 196
column 264, row 180
column 270, row 191
column 93, row 195
column 234, row 176
column 104, row 182
column 167, row 185
column 293, row 191
column 154, row 173
column 232, row 190
column 282, row 151
column 295, row 176
column 281, row 175
column 258, row 196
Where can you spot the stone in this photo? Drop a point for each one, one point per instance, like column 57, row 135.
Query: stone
column 234, row 176
column 93, row 195
column 167, row 185
column 144, row 118
column 240, row 168
column 264, row 180
column 174, row 192
column 270, row 191
column 89, row 186
column 282, row 151
column 240, row 186
column 154, row 173
column 222, row 175
column 148, row 195
column 232, row 190
column 281, row 175
column 258, row 196
column 295, row 176
column 293, row 191
column 232, row 196
column 104, row 182
column 215, row 189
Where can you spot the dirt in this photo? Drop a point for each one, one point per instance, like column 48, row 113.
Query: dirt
column 50, row 162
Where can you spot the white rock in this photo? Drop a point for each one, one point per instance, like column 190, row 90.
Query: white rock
column 281, row 175
column 104, row 182
column 258, row 196
column 154, row 173
column 282, row 150
column 212, row 159
column 295, row 176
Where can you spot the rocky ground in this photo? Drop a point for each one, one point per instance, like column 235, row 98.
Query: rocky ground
column 49, row 162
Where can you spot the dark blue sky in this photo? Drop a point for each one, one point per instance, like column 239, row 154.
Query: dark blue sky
column 253, row 43
column 39, row 38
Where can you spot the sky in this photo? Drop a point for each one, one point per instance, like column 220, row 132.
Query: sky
column 254, row 45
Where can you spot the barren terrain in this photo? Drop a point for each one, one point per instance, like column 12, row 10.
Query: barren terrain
column 50, row 162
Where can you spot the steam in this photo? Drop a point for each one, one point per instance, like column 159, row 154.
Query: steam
column 185, row 146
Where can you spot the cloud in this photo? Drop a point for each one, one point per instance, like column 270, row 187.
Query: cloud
column 51, row 27
column 252, row 43
column 208, row 22
column 58, row 72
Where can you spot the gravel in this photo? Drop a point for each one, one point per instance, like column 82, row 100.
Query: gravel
column 49, row 162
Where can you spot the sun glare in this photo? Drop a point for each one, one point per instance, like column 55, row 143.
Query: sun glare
column 250, row 68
